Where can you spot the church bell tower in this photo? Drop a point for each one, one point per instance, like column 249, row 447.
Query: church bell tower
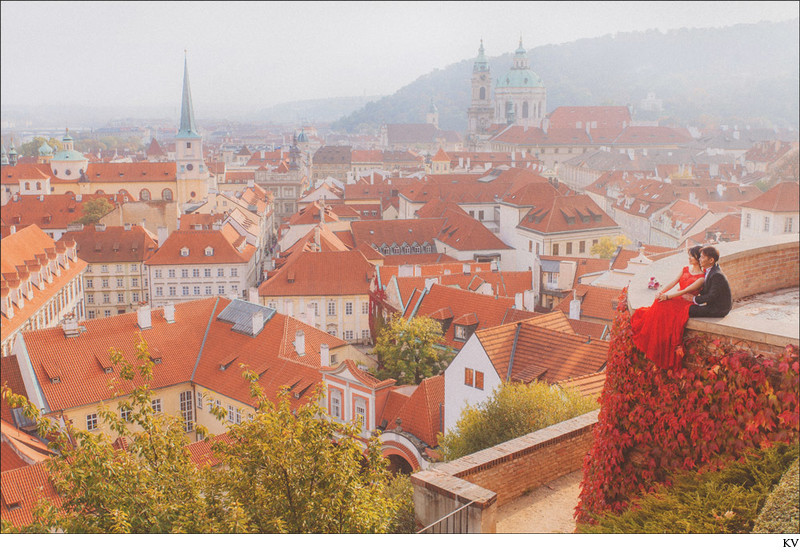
column 191, row 171
column 481, row 110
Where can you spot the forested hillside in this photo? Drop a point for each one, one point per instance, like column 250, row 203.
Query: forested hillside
column 743, row 74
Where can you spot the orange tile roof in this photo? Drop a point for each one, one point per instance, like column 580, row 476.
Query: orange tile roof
column 201, row 453
column 781, row 198
column 421, row 414
column 725, row 229
column 596, row 302
column 113, row 244
column 52, row 211
column 616, row 117
column 326, row 273
column 26, row 447
column 21, row 249
column 9, row 459
column 221, row 241
column 565, row 214
column 590, row 385
column 129, row 172
column 24, row 487
column 185, row 349
column 489, row 311
column 366, row 156
column 11, row 376
column 419, row 259
column 541, row 353
column 441, row 156
column 379, row 232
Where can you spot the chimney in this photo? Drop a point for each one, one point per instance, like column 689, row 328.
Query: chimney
column 41, row 198
column 518, row 304
column 257, row 322
column 575, row 307
column 300, row 343
column 127, row 226
column 324, row 355
column 79, row 198
column 70, row 326
column 163, row 233
column 466, row 268
column 429, row 282
column 169, row 313
column 143, row 317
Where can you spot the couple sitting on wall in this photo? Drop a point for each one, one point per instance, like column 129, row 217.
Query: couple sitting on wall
column 703, row 291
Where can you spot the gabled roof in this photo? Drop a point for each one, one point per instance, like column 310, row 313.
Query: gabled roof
column 113, row 244
column 223, row 242
column 596, row 302
column 11, row 376
column 21, row 489
column 421, row 414
column 320, row 273
column 488, row 311
column 567, row 214
column 55, row 211
column 590, row 385
column 540, row 353
column 781, row 198
column 653, row 136
column 185, row 354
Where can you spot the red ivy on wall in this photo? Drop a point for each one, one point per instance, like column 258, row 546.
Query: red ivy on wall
column 721, row 400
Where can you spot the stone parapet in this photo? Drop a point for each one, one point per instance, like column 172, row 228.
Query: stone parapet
column 500, row 474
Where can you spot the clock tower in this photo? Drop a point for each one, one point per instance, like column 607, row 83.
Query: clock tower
column 191, row 172
column 481, row 110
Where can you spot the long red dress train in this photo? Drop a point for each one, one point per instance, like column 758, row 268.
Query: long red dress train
column 658, row 329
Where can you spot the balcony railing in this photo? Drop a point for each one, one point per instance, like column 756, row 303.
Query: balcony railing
column 456, row 522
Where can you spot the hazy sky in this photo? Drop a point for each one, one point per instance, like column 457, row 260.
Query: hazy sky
column 259, row 54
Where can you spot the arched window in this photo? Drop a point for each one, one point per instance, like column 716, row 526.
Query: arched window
column 483, row 93
column 406, row 249
column 166, row 195
column 525, row 110
column 395, row 250
column 144, row 195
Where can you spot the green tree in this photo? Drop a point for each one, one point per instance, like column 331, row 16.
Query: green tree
column 31, row 149
column 513, row 410
column 411, row 350
column 284, row 471
column 301, row 472
column 94, row 210
column 606, row 247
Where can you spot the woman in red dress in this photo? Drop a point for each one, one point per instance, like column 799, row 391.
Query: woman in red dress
column 658, row 329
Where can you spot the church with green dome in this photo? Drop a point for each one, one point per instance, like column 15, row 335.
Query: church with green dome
column 519, row 96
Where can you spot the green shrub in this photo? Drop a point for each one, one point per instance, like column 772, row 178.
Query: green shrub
column 401, row 491
column 781, row 513
column 513, row 410
column 724, row 501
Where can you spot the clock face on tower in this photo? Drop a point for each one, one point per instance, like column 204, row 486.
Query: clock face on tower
column 189, row 167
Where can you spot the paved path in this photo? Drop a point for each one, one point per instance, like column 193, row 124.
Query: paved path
column 547, row 509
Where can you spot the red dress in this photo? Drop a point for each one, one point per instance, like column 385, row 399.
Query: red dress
column 658, row 329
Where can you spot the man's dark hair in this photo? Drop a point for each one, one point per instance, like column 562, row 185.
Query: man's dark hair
column 711, row 252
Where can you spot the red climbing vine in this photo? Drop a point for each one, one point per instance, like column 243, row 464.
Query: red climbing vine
column 722, row 400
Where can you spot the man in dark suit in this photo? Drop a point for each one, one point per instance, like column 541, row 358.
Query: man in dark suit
column 714, row 299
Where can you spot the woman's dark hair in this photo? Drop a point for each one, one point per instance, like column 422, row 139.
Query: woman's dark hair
column 695, row 252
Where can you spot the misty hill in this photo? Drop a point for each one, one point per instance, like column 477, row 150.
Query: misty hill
column 743, row 74
column 321, row 110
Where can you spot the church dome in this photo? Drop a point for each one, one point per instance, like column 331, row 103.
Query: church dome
column 45, row 149
column 69, row 155
column 520, row 78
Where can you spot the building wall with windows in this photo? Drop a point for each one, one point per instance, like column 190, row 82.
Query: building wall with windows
column 178, row 283
column 468, row 380
column 344, row 316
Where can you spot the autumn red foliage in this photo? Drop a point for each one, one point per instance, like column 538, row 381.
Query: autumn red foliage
column 720, row 401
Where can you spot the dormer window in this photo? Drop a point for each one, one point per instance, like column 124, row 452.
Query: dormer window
column 184, row 251
column 460, row 333
column 209, row 251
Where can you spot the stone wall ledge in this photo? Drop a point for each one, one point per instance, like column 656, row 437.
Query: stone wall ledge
column 753, row 267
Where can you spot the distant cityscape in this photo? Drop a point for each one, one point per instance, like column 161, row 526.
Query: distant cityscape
column 289, row 247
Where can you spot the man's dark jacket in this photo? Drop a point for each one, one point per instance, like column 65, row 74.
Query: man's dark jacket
column 715, row 297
